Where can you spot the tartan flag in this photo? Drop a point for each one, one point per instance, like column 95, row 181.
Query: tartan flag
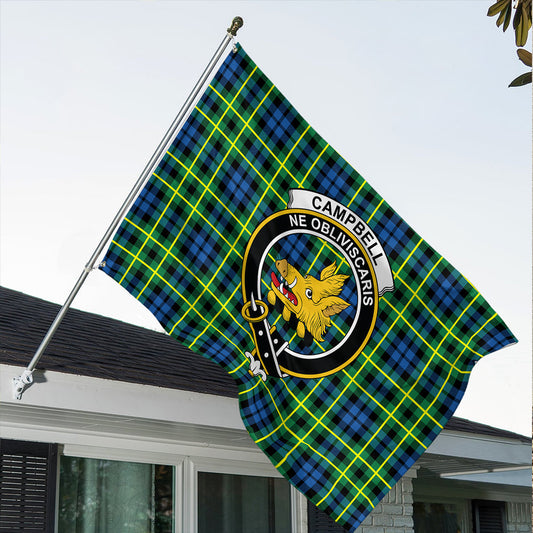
column 258, row 246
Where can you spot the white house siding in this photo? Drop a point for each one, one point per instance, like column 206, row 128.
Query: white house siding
column 518, row 517
column 394, row 514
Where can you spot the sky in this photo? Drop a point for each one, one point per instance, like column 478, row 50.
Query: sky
column 414, row 94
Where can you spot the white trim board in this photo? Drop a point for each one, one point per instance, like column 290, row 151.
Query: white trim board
column 81, row 393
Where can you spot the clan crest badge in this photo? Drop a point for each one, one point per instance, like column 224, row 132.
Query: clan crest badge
column 311, row 280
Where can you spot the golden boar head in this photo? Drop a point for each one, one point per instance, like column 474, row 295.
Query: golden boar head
column 313, row 301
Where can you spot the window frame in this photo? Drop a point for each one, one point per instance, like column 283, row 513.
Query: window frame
column 186, row 469
column 463, row 506
column 193, row 465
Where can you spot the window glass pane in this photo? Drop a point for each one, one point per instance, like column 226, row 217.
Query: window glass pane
column 229, row 503
column 100, row 496
column 436, row 517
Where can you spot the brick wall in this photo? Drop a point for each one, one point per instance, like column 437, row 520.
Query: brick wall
column 518, row 517
column 394, row 514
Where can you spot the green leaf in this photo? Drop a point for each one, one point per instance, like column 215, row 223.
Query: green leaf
column 523, row 27
column 497, row 7
column 508, row 15
column 516, row 19
column 524, row 56
column 521, row 33
column 523, row 79
column 501, row 17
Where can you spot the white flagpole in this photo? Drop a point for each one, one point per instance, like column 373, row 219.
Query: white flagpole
column 26, row 378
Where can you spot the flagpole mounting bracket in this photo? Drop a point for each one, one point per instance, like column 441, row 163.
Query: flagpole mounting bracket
column 21, row 382
column 236, row 25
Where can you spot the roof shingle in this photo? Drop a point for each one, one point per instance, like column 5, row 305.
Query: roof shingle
column 96, row 346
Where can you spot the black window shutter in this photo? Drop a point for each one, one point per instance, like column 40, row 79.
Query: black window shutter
column 320, row 522
column 489, row 516
column 28, row 476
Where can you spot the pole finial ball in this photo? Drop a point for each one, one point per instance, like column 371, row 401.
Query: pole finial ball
column 236, row 24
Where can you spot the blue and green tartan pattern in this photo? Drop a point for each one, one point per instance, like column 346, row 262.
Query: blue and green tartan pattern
column 343, row 440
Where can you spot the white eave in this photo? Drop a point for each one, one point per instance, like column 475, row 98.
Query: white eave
column 85, row 413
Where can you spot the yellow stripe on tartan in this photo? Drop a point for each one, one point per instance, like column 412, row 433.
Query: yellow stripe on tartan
column 259, row 380
column 294, row 410
column 279, row 426
column 239, row 151
column 369, row 360
column 391, row 414
column 460, row 355
column 222, row 334
column 449, row 331
column 326, row 244
column 358, row 454
column 216, row 198
column 245, row 360
column 436, row 396
column 356, row 194
column 339, row 397
column 338, row 328
column 206, row 287
column 193, row 163
column 409, row 257
column 301, row 441
column 247, row 122
column 245, row 227
column 136, row 256
column 282, row 164
column 184, row 266
column 363, row 487
column 489, row 320
column 434, row 350
column 223, row 308
column 269, row 184
column 313, row 165
column 342, row 475
column 375, row 211
column 237, row 287
column 301, row 404
column 425, row 411
column 200, row 214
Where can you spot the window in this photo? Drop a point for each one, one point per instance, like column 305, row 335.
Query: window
column 437, row 517
column 112, row 490
column 489, row 516
column 114, row 497
column 231, row 503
